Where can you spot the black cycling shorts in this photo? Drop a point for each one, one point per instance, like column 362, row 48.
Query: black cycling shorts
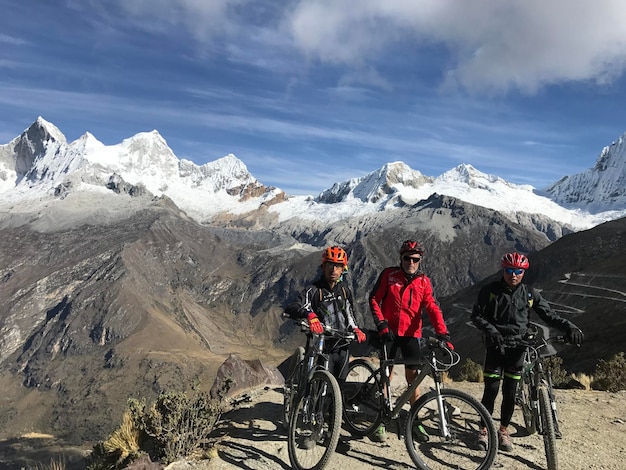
column 510, row 363
column 410, row 347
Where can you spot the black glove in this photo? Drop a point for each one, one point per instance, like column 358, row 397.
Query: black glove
column 384, row 332
column 445, row 339
column 496, row 339
column 575, row 335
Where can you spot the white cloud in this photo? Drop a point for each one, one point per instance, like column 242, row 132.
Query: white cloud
column 495, row 44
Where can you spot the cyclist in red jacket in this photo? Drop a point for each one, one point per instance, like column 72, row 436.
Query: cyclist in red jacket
column 397, row 301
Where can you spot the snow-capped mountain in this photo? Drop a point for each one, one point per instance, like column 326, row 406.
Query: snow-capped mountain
column 388, row 185
column 397, row 185
column 40, row 165
column 600, row 188
column 40, row 162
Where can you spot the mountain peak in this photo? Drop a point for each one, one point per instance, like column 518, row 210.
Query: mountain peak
column 229, row 164
column 597, row 189
column 52, row 131
column 381, row 186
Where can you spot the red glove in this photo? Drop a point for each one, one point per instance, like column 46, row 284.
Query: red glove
column 360, row 336
column 314, row 324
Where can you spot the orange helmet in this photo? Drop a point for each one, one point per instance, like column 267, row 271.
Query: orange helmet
column 334, row 254
column 411, row 246
column 515, row 260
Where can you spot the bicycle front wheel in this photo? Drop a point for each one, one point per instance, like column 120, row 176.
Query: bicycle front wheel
column 547, row 428
column 524, row 394
column 362, row 398
column 290, row 389
column 315, row 423
column 449, row 441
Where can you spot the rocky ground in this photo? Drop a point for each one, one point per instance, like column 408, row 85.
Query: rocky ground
column 593, row 425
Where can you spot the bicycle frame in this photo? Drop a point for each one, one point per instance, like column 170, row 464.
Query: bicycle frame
column 314, row 356
column 429, row 369
column 536, row 375
column 441, row 428
column 535, row 393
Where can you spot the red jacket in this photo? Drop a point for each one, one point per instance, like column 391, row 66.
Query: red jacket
column 400, row 301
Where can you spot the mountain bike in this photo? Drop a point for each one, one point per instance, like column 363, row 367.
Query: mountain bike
column 535, row 393
column 312, row 400
column 441, row 427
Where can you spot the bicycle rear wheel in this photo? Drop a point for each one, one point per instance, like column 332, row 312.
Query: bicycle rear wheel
column 290, row 389
column 315, row 423
column 464, row 416
column 547, row 428
column 362, row 398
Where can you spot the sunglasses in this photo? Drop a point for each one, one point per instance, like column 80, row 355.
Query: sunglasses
column 517, row 272
column 411, row 259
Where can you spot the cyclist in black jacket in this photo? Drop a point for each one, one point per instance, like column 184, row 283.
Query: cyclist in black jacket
column 329, row 301
column 503, row 309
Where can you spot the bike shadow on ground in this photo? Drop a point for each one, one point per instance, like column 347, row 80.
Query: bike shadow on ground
column 238, row 430
column 261, row 422
column 249, row 457
column 370, row 454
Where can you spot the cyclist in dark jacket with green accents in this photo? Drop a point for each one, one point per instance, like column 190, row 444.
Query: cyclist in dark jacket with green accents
column 503, row 310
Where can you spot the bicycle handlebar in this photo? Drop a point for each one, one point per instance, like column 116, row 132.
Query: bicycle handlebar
column 532, row 341
column 447, row 359
column 328, row 330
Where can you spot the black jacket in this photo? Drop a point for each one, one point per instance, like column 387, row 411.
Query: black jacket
column 333, row 307
column 502, row 309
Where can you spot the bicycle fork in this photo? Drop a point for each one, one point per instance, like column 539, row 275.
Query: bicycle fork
column 311, row 411
column 441, row 407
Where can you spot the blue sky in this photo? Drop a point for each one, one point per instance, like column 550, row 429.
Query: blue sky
column 311, row 92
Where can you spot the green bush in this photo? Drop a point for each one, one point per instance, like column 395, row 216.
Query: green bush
column 471, row 371
column 610, row 375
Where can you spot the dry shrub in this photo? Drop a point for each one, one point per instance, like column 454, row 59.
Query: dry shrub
column 53, row 465
column 610, row 374
column 124, row 442
column 471, row 371
column 175, row 426
column 583, row 379
column 554, row 365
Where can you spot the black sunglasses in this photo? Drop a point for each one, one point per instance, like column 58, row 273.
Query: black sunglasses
column 411, row 259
